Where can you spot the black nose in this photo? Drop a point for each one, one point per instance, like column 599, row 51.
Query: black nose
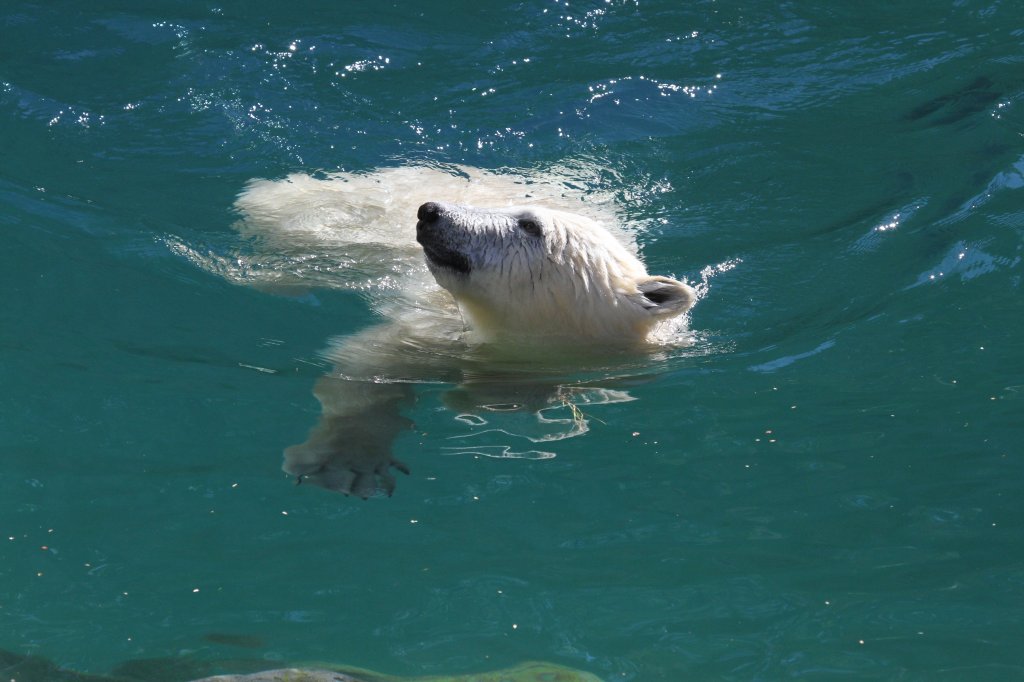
column 428, row 212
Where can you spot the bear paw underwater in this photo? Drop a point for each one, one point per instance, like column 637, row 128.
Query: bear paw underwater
column 504, row 271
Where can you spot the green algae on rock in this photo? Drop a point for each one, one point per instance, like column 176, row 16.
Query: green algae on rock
column 525, row 672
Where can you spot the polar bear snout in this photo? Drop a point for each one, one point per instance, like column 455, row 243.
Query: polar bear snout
column 428, row 218
column 428, row 232
column 429, row 212
column 431, row 234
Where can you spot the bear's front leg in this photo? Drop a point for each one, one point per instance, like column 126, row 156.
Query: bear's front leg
column 349, row 450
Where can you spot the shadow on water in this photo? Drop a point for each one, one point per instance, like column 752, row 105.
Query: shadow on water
column 958, row 105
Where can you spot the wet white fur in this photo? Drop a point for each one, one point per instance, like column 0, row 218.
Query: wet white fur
column 579, row 285
column 565, row 279
column 358, row 231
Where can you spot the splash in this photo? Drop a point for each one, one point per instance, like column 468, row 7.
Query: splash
column 703, row 288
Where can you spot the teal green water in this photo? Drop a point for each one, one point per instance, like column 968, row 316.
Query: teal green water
column 828, row 487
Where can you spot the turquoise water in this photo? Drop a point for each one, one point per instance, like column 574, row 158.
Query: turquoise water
column 826, row 487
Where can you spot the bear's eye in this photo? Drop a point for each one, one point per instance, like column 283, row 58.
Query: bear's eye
column 530, row 226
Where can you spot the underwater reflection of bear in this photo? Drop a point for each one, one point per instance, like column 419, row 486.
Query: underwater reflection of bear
column 512, row 301
column 351, row 451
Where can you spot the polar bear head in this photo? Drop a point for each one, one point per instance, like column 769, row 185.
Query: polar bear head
column 533, row 273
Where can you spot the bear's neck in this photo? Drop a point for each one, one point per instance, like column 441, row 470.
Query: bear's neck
column 487, row 325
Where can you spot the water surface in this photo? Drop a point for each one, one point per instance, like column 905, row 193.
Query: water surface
column 829, row 488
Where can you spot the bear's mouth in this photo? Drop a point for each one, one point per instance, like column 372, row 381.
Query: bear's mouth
column 446, row 258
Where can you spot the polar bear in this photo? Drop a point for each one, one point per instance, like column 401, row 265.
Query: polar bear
column 475, row 273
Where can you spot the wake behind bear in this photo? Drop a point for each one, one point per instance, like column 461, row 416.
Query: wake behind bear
column 517, row 269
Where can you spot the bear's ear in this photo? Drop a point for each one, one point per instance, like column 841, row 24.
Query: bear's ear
column 664, row 296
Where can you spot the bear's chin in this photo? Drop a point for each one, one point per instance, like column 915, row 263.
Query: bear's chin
column 447, row 259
